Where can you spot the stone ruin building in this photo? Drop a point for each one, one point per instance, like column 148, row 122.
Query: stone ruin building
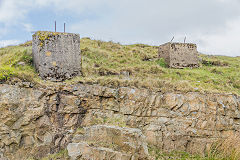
column 179, row 55
column 56, row 56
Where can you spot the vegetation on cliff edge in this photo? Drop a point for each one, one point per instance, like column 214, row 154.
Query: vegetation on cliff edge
column 114, row 65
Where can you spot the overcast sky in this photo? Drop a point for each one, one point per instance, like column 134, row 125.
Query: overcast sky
column 214, row 25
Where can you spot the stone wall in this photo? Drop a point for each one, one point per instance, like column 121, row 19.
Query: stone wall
column 35, row 122
column 164, row 52
column 179, row 55
column 56, row 56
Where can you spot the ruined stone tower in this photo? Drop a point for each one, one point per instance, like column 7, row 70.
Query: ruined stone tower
column 56, row 56
column 179, row 55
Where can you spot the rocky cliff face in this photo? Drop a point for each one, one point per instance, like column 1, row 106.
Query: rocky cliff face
column 93, row 121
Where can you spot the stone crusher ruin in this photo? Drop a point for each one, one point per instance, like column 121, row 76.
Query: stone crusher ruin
column 179, row 55
column 56, row 55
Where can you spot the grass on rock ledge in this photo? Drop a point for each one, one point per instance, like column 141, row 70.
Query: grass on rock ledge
column 114, row 65
column 226, row 149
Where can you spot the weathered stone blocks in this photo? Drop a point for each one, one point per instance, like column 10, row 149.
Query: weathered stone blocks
column 179, row 55
column 56, row 56
column 35, row 122
column 108, row 142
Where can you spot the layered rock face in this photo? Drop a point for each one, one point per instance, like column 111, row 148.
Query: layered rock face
column 108, row 142
column 93, row 121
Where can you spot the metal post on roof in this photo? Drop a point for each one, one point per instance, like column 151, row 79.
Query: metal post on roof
column 55, row 26
column 185, row 39
column 64, row 27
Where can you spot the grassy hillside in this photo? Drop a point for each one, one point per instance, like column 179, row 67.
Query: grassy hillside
column 108, row 63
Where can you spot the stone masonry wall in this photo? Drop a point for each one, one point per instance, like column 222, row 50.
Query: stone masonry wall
column 56, row 56
column 164, row 52
column 179, row 55
column 35, row 122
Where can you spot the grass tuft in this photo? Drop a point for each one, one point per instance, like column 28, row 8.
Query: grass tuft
column 226, row 149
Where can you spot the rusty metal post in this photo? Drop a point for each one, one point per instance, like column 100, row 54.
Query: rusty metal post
column 64, row 27
column 55, row 26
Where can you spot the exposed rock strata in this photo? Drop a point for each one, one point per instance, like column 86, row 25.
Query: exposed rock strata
column 108, row 142
column 36, row 122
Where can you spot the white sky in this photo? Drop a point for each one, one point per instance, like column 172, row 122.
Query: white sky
column 214, row 25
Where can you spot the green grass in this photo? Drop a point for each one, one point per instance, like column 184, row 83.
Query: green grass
column 61, row 155
column 225, row 149
column 106, row 63
column 10, row 57
column 157, row 154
